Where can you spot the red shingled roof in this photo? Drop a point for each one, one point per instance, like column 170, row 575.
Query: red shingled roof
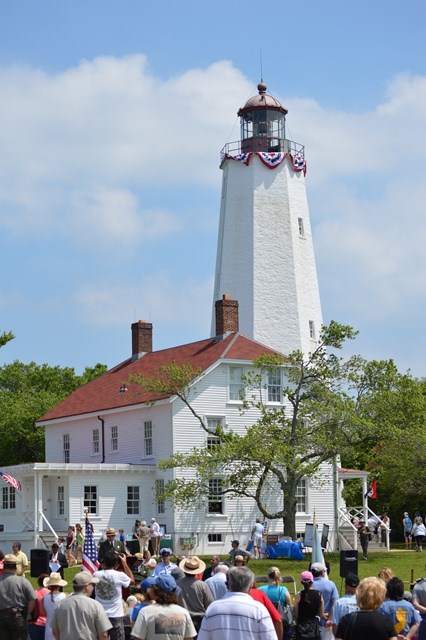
column 104, row 392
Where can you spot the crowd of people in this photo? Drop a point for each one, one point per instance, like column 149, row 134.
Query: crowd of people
column 160, row 596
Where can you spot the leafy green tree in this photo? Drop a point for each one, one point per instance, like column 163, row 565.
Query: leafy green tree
column 5, row 337
column 27, row 391
column 396, row 457
column 328, row 408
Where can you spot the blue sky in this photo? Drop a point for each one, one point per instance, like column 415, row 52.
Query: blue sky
column 113, row 115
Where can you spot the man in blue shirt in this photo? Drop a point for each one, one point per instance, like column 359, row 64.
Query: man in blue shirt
column 401, row 613
column 347, row 603
column 328, row 590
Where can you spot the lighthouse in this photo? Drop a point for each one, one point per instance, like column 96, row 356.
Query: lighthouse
column 265, row 254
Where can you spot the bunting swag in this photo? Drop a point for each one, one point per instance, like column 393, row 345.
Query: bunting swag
column 270, row 160
column 10, row 480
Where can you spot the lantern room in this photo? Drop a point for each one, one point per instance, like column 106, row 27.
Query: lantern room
column 262, row 123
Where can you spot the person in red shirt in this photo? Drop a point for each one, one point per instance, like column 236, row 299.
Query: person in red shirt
column 260, row 596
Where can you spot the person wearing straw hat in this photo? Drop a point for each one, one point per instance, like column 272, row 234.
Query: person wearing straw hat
column 110, row 544
column 195, row 595
column 79, row 616
column 54, row 583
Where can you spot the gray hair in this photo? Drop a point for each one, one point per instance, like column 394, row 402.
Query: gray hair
column 221, row 567
column 240, row 579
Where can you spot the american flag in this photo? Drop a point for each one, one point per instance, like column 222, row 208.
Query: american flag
column 11, row 480
column 90, row 552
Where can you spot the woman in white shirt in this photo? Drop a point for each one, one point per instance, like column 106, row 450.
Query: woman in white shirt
column 50, row 601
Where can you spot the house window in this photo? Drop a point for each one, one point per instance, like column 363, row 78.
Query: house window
column 301, row 496
column 301, row 227
column 312, row 329
column 66, row 446
column 212, row 442
column 8, row 498
column 95, row 441
column 274, row 385
column 90, row 499
column 114, row 438
column 133, row 501
column 214, row 498
column 60, row 502
column 212, row 425
column 236, row 386
column 214, row 537
column 147, row 436
column 159, row 492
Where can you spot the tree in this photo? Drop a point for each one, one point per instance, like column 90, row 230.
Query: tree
column 327, row 409
column 5, row 337
column 27, row 391
column 396, row 458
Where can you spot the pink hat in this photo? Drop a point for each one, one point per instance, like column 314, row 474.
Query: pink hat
column 306, row 576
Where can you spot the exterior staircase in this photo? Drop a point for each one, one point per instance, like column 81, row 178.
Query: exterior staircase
column 348, row 531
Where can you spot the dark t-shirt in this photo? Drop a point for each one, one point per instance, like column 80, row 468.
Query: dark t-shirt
column 309, row 605
column 365, row 625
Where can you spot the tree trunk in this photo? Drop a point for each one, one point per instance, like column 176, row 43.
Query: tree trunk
column 290, row 508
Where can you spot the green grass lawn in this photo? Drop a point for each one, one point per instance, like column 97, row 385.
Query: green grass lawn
column 405, row 564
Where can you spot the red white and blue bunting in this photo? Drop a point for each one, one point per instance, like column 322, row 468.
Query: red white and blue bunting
column 270, row 160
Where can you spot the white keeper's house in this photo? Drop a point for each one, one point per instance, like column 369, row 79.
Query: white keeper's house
column 104, row 442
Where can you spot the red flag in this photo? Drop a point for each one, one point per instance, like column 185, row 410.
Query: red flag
column 372, row 491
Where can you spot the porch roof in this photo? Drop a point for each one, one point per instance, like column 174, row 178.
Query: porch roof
column 52, row 468
column 351, row 474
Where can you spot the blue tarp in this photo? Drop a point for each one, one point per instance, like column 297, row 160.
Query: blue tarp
column 286, row 549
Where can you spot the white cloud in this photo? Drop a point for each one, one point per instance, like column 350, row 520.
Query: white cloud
column 98, row 133
column 157, row 296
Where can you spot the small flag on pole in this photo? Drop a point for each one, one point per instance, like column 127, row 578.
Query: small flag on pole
column 90, row 552
column 11, row 480
column 317, row 554
column 372, row 490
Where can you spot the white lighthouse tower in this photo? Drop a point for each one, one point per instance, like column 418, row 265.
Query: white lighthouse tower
column 265, row 255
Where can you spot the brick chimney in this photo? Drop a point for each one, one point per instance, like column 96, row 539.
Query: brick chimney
column 226, row 315
column 141, row 338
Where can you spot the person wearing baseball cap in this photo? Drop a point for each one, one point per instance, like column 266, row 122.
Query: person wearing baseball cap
column 17, row 600
column 165, row 566
column 308, row 607
column 80, row 616
column 347, row 603
column 165, row 614
column 328, row 591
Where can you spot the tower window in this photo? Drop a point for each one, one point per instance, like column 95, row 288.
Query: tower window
column 312, row 329
column 301, row 227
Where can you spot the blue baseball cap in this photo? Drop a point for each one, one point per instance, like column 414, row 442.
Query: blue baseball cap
column 147, row 583
column 165, row 582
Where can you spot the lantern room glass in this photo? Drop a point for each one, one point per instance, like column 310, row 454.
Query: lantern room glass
column 262, row 130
